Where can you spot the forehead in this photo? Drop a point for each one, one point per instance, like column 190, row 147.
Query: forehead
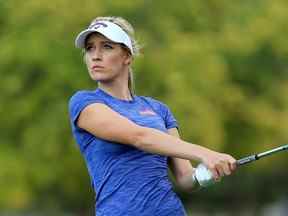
column 93, row 37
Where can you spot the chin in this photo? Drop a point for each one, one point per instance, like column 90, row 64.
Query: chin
column 100, row 79
column 97, row 77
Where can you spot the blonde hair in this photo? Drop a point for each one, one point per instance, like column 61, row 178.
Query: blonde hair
column 128, row 28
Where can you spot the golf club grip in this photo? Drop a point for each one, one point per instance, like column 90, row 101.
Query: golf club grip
column 246, row 160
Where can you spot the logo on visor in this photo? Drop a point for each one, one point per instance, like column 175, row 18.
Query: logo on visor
column 97, row 25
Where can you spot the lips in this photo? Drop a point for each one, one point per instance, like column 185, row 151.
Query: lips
column 97, row 67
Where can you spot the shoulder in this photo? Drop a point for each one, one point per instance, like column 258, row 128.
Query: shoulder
column 150, row 100
column 83, row 95
column 154, row 102
column 82, row 98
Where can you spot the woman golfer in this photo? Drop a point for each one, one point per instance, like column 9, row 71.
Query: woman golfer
column 129, row 141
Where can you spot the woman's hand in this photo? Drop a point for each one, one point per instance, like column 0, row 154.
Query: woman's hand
column 219, row 164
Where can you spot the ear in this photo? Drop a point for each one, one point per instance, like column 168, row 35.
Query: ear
column 128, row 59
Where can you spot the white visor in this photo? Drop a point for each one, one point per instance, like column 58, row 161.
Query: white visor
column 108, row 29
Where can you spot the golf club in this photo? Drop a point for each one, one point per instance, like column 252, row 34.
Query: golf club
column 205, row 178
column 255, row 157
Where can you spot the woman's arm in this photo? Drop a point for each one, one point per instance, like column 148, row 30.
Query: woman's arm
column 103, row 122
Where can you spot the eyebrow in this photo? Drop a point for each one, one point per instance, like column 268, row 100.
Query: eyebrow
column 102, row 42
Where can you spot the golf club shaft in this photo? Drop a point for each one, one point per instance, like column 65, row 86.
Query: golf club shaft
column 255, row 157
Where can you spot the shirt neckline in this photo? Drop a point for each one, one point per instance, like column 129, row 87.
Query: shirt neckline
column 115, row 98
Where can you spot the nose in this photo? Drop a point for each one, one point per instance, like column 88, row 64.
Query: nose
column 97, row 55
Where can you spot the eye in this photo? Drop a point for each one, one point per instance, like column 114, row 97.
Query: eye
column 108, row 46
column 88, row 48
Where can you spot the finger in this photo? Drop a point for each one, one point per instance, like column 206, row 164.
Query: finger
column 220, row 169
column 226, row 168
column 213, row 170
column 232, row 163
column 216, row 176
column 232, row 166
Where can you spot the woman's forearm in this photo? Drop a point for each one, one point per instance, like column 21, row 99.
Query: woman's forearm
column 157, row 142
column 188, row 182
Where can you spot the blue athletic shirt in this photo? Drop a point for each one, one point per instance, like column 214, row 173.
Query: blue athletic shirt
column 127, row 181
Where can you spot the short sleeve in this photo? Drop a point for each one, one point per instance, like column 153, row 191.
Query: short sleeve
column 78, row 102
column 170, row 121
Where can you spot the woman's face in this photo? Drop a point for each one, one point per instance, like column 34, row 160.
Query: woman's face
column 105, row 59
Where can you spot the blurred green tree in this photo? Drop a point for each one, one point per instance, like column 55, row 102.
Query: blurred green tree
column 220, row 65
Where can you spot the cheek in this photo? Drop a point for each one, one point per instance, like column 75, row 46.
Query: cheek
column 88, row 64
column 115, row 61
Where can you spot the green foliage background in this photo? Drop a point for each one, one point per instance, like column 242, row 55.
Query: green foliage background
column 221, row 66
